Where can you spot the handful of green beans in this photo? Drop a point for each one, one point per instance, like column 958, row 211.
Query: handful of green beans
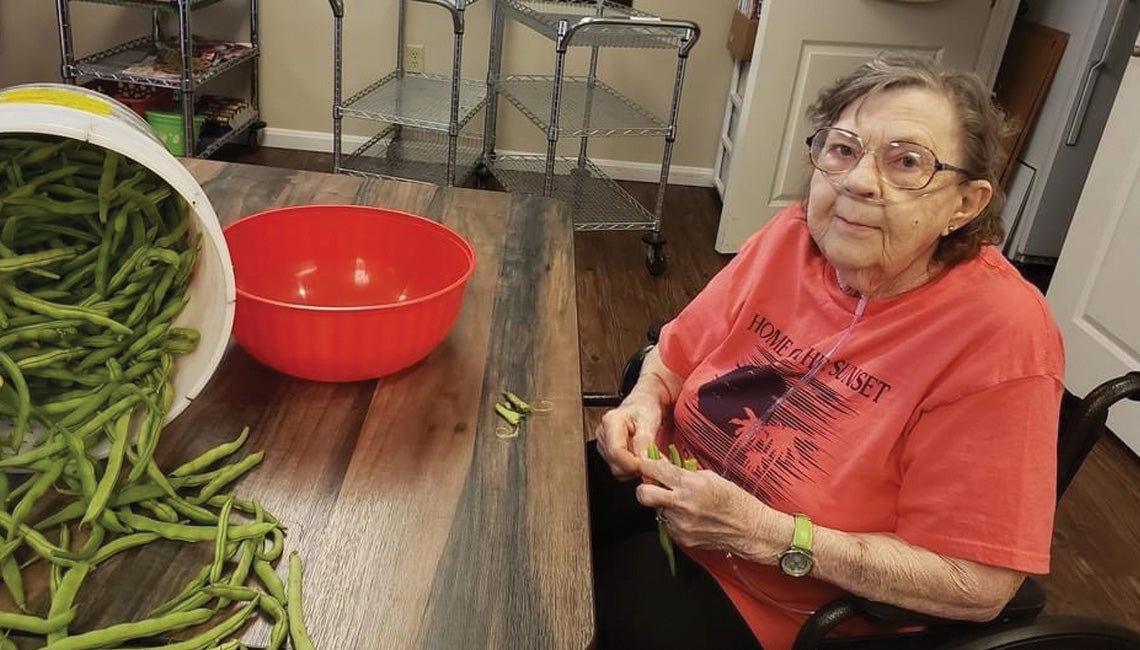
column 96, row 256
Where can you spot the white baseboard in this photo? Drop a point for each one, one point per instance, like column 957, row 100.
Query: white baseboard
column 622, row 170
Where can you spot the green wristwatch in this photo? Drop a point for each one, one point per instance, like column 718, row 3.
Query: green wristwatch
column 796, row 561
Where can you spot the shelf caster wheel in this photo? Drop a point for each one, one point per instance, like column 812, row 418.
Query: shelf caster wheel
column 655, row 261
column 483, row 171
column 655, row 253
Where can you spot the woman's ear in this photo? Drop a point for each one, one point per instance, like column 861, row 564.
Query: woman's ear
column 976, row 195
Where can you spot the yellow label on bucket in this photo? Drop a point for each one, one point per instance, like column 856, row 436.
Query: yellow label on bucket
column 56, row 97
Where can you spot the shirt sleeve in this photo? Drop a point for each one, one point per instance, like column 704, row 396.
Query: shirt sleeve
column 979, row 476
column 704, row 323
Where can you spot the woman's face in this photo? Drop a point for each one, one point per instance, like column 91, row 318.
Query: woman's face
column 877, row 236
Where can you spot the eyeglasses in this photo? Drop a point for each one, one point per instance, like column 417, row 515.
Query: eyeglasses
column 905, row 165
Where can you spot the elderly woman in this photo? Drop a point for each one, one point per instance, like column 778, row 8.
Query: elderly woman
column 869, row 388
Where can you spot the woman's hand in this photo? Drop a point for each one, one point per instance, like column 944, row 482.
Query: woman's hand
column 704, row 510
column 625, row 433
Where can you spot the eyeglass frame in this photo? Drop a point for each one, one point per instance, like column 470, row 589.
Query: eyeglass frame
column 939, row 166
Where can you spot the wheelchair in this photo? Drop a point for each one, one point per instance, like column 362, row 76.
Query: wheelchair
column 1019, row 626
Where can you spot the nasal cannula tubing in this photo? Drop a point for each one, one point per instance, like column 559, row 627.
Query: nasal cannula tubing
column 750, row 434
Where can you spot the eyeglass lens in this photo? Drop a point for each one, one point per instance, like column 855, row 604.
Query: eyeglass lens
column 903, row 164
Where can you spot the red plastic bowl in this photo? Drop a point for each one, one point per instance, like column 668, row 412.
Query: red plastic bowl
column 344, row 292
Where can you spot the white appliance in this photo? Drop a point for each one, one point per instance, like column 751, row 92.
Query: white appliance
column 1055, row 160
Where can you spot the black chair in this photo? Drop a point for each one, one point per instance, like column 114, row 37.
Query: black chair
column 1019, row 625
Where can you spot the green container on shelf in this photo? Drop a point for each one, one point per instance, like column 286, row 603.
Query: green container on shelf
column 168, row 126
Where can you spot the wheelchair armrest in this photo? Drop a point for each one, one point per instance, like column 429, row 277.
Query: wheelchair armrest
column 1048, row 631
column 629, row 375
column 1025, row 605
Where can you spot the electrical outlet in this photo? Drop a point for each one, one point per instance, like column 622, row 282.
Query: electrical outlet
column 414, row 58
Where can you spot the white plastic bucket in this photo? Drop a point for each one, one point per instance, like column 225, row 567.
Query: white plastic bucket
column 85, row 115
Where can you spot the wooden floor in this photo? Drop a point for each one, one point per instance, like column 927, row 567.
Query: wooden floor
column 1096, row 543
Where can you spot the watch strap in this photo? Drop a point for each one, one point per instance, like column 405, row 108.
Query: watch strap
column 802, row 535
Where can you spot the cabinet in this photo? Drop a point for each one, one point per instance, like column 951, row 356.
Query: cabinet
column 583, row 107
column 139, row 62
column 423, row 114
column 730, row 126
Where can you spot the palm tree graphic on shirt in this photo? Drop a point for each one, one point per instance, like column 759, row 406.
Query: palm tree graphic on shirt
column 766, row 455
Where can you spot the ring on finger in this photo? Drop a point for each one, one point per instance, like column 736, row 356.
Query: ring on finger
column 661, row 518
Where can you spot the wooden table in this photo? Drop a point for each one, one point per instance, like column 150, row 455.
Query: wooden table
column 418, row 526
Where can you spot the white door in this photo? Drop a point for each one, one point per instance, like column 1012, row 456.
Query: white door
column 801, row 46
column 1094, row 292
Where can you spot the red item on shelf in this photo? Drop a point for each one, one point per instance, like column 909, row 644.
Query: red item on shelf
column 137, row 97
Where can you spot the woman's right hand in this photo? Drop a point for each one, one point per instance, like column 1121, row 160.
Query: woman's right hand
column 625, row 433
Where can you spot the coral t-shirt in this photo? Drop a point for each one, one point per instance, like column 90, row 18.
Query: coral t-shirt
column 934, row 419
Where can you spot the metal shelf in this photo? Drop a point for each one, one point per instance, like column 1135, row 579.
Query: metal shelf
column 404, row 152
column 601, row 111
column 112, row 63
column 206, row 146
column 450, row 4
column 551, row 18
column 418, row 100
column 161, row 5
column 596, row 201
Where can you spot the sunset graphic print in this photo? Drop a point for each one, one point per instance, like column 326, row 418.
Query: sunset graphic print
column 725, row 425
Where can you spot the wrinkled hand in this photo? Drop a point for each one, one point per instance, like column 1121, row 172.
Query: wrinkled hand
column 704, row 510
column 625, row 434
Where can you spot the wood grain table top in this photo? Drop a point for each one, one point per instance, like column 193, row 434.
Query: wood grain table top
column 418, row 526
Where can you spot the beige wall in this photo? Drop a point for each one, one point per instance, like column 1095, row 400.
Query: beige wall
column 296, row 67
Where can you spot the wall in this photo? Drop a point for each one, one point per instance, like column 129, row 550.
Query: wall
column 296, row 67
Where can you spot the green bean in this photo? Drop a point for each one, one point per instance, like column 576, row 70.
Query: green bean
column 212, row 455
column 73, row 510
column 160, row 510
column 276, row 546
column 123, row 632
column 8, row 644
column 24, row 405
column 35, row 624
column 248, row 506
column 103, row 257
column 4, row 486
column 247, row 552
column 297, row 631
column 14, row 581
column 269, row 578
column 192, row 511
column 41, row 258
column 72, row 208
column 56, row 310
column 120, row 544
column 220, row 541
column 64, row 596
column 111, row 522
column 52, row 330
column 37, row 489
column 48, row 358
column 230, row 474
column 55, row 577
column 189, row 533
column 136, row 494
column 44, row 152
column 119, row 433
column 220, row 631
column 106, row 182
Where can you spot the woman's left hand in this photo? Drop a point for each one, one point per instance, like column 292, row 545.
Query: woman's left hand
column 704, row 510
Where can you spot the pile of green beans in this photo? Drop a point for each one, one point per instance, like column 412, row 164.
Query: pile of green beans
column 96, row 255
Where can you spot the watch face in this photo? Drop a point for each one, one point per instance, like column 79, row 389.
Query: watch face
column 795, row 563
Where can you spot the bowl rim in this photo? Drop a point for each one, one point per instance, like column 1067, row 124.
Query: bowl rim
column 464, row 245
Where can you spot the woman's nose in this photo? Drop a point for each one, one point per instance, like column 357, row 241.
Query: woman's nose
column 863, row 179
